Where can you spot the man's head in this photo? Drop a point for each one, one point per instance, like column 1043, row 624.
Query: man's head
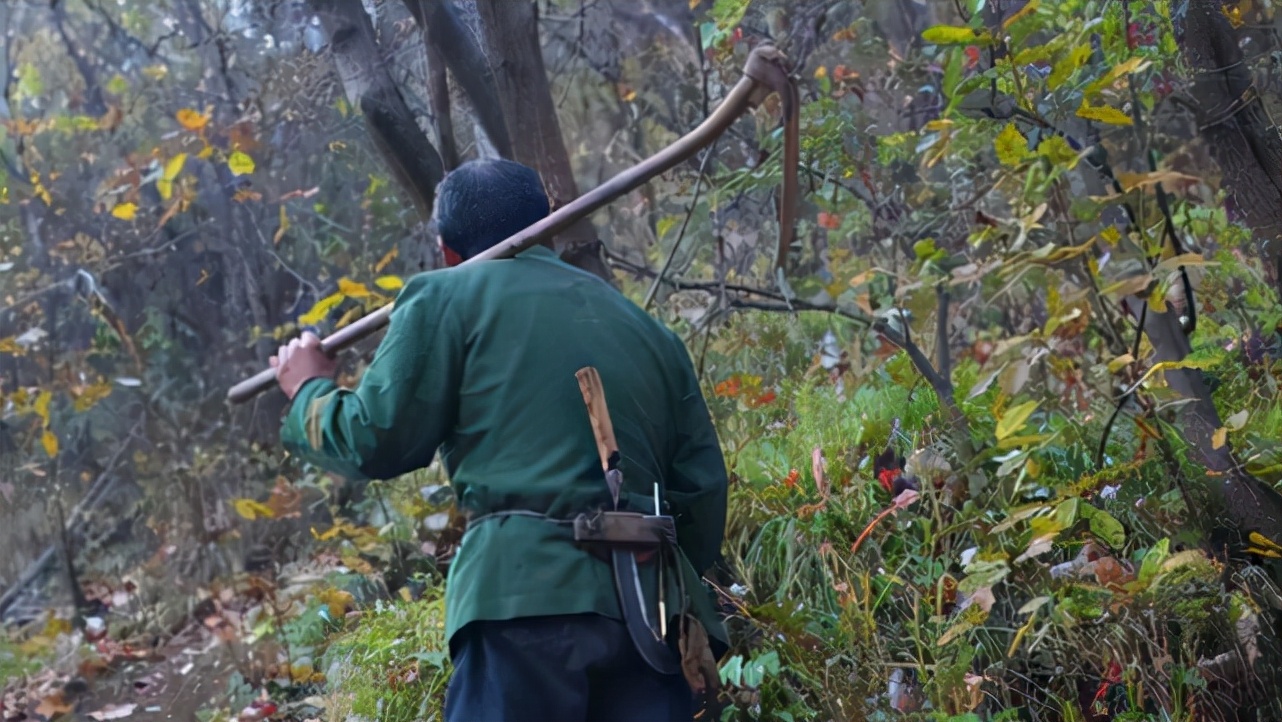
column 483, row 202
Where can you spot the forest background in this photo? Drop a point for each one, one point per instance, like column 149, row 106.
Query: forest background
column 1004, row 435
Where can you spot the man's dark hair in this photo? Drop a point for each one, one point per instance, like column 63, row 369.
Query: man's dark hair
column 483, row 202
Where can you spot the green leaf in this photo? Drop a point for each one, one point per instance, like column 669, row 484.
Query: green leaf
column 729, row 12
column 1014, row 419
column 1067, row 512
column 1011, row 145
column 983, row 573
column 732, row 671
column 952, row 35
column 953, row 73
column 924, row 249
column 30, row 84
column 664, row 224
column 118, row 85
column 1153, row 559
column 1057, row 150
column 1108, row 529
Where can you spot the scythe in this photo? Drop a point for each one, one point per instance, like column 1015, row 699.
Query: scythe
column 764, row 73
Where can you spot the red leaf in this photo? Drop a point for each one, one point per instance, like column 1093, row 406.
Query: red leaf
column 791, row 480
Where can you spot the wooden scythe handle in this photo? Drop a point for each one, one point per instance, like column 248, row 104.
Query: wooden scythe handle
column 764, row 73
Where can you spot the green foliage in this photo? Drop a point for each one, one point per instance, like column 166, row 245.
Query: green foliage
column 18, row 661
column 393, row 665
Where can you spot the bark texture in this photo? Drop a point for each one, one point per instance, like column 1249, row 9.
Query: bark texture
column 1235, row 125
column 414, row 161
column 451, row 46
column 511, row 34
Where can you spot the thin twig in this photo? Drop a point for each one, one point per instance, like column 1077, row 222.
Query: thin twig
column 942, row 360
column 694, row 203
column 97, row 492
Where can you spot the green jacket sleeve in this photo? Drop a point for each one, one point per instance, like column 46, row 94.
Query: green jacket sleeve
column 402, row 409
column 698, row 484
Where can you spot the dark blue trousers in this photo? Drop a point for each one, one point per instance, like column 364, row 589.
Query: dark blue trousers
column 572, row 668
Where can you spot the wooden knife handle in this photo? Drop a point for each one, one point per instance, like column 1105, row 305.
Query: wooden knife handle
column 599, row 413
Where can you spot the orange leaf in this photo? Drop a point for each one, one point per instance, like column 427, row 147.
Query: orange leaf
column 192, row 120
column 790, row 481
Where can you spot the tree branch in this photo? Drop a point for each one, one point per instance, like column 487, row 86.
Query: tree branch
column 941, row 384
column 451, row 45
column 369, row 86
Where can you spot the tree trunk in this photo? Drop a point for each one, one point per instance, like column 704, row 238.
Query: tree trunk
column 438, row 90
column 370, row 87
column 451, row 46
column 511, row 33
column 1235, row 126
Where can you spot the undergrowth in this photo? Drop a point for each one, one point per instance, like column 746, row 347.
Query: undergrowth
column 392, row 664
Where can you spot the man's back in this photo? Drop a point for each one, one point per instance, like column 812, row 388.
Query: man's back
column 479, row 364
column 480, row 361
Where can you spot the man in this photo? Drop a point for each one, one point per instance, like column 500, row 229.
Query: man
column 479, row 362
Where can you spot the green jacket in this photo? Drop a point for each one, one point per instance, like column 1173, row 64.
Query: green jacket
column 479, row 362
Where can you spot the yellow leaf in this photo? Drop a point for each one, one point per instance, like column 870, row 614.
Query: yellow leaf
column 1011, row 146
column 1234, row 15
column 1259, row 540
column 1015, row 418
column 1202, row 364
column 50, row 442
column 1104, row 114
column 1120, row 362
column 250, row 509
column 351, row 315
column 165, row 188
column 1127, row 286
column 240, row 163
column 386, row 259
column 41, row 407
column 950, row 35
column 352, row 289
column 1130, row 181
column 1120, row 70
column 1111, row 235
column 389, row 283
column 1184, row 259
column 92, row 395
column 1023, row 13
column 10, row 346
column 282, row 228
column 1157, row 298
column 1015, row 442
column 175, row 166
column 821, row 72
column 320, row 310
column 1219, row 438
column 1064, row 69
column 125, row 211
column 192, row 120
column 205, row 152
column 694, row 4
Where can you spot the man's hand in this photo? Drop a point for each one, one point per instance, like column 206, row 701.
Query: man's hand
column 301, row 361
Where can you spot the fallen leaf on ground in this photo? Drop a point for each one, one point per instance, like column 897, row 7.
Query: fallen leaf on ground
column 54, row 705
column 113, row 711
